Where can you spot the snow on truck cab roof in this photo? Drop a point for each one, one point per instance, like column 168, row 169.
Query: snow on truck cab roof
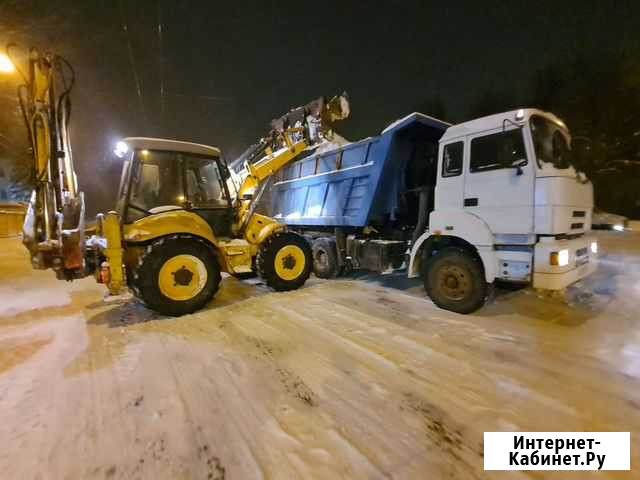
column 171, row 145
column 500, row 120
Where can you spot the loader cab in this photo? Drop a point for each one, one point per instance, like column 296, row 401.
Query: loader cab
column 160, row 176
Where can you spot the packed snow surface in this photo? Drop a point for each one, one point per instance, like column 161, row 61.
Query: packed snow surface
column 352, row 378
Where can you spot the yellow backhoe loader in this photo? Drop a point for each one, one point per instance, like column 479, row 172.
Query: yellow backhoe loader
column 182, row 217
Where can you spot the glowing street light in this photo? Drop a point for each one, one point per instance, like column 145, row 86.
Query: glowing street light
column 6, row 66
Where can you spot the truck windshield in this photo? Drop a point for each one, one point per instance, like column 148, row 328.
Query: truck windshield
column 551, row 143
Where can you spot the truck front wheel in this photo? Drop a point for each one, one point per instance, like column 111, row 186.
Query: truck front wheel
column 454, row 279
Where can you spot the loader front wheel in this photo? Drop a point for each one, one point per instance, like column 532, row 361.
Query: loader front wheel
column 177, row 275
column 284, row 261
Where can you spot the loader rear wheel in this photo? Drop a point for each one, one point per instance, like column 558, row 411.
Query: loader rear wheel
column 284, row 261
column 454, row 279
column 176, row 275
column 325, row 258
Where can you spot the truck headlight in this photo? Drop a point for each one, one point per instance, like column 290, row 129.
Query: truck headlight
column 594, row 247
column 618, row 228
column 560, row 258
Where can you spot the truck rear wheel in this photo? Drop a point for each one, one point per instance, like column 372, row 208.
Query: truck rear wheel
column 454, row 279
column 325, row 258
column 284, row 261
column 176, row 275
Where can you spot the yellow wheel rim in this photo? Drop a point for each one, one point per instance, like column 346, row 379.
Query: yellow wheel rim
column 182, row 277
column 290, row 262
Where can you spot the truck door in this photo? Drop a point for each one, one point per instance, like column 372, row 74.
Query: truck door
column 499, row 181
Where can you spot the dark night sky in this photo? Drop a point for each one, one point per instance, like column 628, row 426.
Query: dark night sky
column 229, row 67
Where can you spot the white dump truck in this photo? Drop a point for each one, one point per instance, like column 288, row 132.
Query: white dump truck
column 508, row 196
column 495, row 198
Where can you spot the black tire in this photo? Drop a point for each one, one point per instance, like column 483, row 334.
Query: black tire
column 266, row 261
column 145, row 279
column 454, row 279
column 325, row 258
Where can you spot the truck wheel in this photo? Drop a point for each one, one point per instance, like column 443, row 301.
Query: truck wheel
column 284, row 261
column 325, row 258
column 454, row 279
column 176, row 275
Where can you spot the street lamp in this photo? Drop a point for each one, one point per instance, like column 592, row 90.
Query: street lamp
column 6, row 65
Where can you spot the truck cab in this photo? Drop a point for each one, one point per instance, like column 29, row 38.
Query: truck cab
column 508, row 199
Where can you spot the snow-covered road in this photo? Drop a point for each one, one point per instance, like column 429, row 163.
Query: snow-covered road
column 358, row 378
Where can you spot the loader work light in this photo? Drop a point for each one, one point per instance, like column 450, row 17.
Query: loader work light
column 121, row 149
column 559, row 259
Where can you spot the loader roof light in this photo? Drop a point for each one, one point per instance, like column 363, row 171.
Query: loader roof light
column 121, row 149
column 559, row 258
column 520, row 115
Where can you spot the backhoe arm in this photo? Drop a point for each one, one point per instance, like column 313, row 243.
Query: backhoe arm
column 54, row 226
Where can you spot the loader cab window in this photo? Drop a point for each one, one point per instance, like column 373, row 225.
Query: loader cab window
column 497, row 151
column 155, row 184
column 124, row 186
column 204, row 183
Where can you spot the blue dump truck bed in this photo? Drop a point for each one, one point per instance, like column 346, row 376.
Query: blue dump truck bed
column 361, row 184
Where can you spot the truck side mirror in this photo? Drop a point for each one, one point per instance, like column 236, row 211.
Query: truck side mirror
column 518, row 165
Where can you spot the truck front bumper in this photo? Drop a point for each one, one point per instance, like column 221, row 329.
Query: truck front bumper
column 581, row 261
